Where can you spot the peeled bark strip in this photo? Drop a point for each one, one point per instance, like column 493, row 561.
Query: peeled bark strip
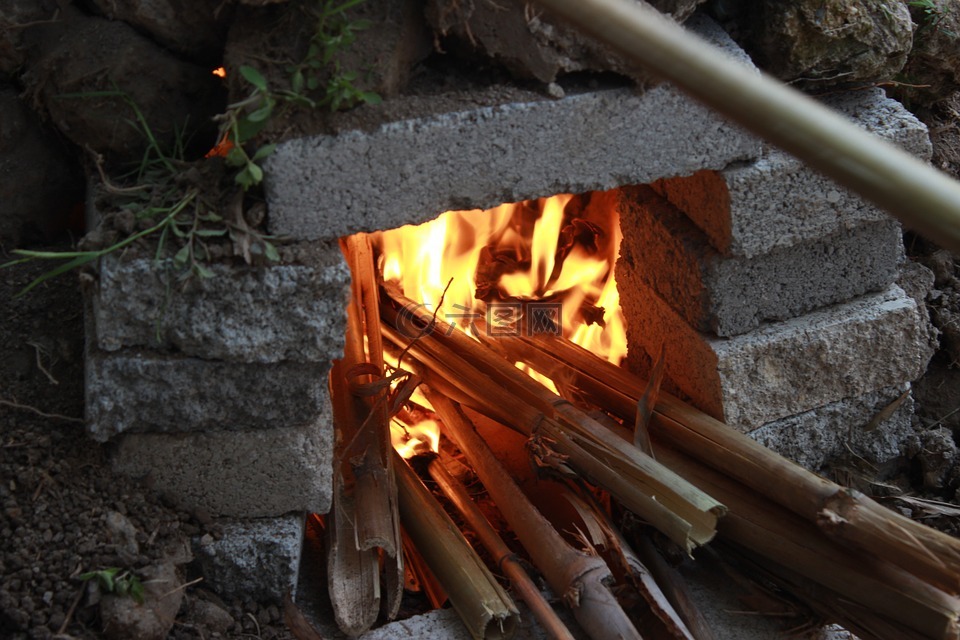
column 579, row 577
column 506, row 561
column 682, row 512
column 845, row 515
column 365, row 500
column 483, row 606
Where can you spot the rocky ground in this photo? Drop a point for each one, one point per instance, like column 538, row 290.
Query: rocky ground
column 63, row 514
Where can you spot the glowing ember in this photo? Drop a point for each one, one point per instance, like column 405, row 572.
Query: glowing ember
column 220, row 72
column 410, row 440
column 528, row 266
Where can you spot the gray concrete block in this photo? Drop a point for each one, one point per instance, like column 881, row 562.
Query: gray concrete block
column 730, row 295
column 235, row 474
column 253, row 314
column 841, row 429
column 257, row 559
column 782, row 368
column 410, row 171
column 144, row 391
column 751, row 209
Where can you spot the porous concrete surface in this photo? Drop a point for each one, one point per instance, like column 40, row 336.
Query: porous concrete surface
column 752, row 208
column 730, row 295
column 253, row 559
column 235, row 474
column 782, row 368
column 146, row 391
column 410, row 171
column 245, row 313
column 841, row 429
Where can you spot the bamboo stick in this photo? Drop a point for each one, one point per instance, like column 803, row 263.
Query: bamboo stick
column 504, row 557
column 771, row 531
column 482, row 604
column 579, row 577
column 353, row 572
column 922, row 197
column 674, row 588
column 845, row 515
column 366, row 467
column 622, row 481
column 680, row 511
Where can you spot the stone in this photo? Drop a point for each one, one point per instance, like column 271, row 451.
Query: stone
column 381, row 58
column 815, row 438
column 294, row 313
column 933, row 67
column 782, row 368
column 532, row 44
column 40, row 183
column 142, row 391
column 16, row 14
column 209, row 615
column 235, row 474
column 254, row 559
column 78, row 55
column 730, row 295
column 124, row 618
column 194, row 29
column 938, row 456
column 124, row 535
column 816, row 44
column 750, row 209
column 409, row 171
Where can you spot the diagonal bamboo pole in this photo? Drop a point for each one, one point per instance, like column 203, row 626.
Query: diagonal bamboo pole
column 580, row 577
column 919, row 195
column 847, row 516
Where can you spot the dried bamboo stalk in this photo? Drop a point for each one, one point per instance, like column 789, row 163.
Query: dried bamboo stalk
column 915, row 192
column 621, row 558
column 680, row 511
column 504, row 557
column 482, row 604
column 846, row 515
column 365, row 472
column 579, row 577
column 353, row 573
column 769, row 530
column 674, row 588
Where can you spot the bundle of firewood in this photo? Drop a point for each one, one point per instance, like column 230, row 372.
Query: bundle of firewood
column 683, row 473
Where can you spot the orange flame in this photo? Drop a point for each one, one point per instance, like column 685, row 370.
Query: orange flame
column 559, row 250
column 220, row 72
column 410, row 440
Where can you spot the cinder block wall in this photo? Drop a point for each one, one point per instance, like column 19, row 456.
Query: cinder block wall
column 772, row 289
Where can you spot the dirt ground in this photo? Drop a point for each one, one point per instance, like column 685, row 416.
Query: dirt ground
column 62, row 513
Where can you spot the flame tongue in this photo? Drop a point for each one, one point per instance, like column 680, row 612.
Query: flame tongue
column 558, row 250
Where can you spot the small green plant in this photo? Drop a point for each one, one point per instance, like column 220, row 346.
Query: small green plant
column 320, row 72
column 933, row 12
column 116, row 581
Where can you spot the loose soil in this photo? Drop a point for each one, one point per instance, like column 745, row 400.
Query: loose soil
column 58, row 498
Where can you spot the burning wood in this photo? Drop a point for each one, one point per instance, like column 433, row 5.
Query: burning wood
column 578, row 576
column 485, row 608
column 812, row 536
column 683, row 513
column 365, row 527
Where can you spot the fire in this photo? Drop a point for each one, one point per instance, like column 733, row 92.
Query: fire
column 220, row 72
column 488, row 269
column 412, row 439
